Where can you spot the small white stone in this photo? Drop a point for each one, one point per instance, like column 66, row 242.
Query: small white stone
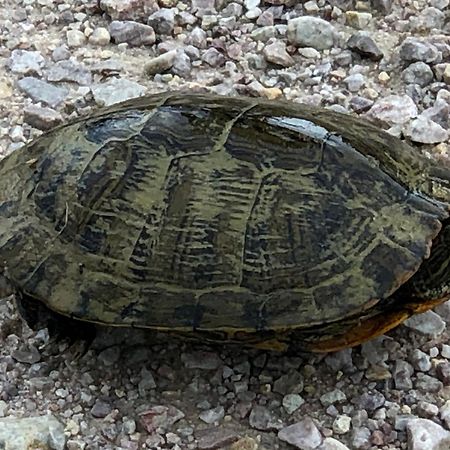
column 341, row 424
column 75, row 38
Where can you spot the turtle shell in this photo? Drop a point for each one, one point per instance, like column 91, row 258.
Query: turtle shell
column 203, row 213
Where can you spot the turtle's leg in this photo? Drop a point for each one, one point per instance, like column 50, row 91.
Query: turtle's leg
column 79, row 334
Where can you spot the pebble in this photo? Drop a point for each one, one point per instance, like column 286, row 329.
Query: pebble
column 393, row 109
column 291, row 402
column 425, row 131
column 128, row 9
column 245, row 443
column 444, row 413
column 100, row 409
column 445, row 351
column 211, row 416
column 341, row 424
column 160, row 63
column 363, row 44
column 160, row 416
column 429, row 323
column 413, row 49
column 309, row 31
column 100, row 36
column 302, row 435
column 44, row 432
column 276, row 53
column 41, row 91
column 69, row 71
column 355, row 82
column 371, row 400
column 162, row 21
column 261, row 418
column 330, row 443
column 358, row 20
column 332, row 397
column 423, row 434
column 402, row 375
column 215, row 438
column 115, row 91
column 443, row 372
column 427, row 383
column 133, row 33
column 418, row 73
column 361, row 439
column 27, row 354
column 75, row 38
column 213, row 58
column 26, row 62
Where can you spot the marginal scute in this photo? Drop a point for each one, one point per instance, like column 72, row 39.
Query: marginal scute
column 201, row 213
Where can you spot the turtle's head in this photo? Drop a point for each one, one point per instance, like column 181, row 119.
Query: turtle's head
column 6, row 287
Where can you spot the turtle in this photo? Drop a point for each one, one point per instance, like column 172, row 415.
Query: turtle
column 272, row 224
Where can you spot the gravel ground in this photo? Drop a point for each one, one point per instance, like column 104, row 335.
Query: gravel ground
column 385, row 59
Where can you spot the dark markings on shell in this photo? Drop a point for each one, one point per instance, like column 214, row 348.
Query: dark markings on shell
column 198, row 212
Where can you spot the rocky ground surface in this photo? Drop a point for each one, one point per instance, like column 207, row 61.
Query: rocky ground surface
column 387, row 60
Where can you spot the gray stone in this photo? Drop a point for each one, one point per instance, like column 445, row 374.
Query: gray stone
column 427, row 384
column 418, row 73
column 363, row 44
column 182, row 64
column 291, row 402
column 44, row 432
column 444, row 413
column 263, row 34
column 40, row 91
column 420, row 360
column 160, row 63
column 309, row 31
column 357, row 19
column 197, row 38
column 303, row 435
column 384, row 6
column 276, row 53
column 100, row 409
column 289, row 383
column 262, row 419
column 402, row 375
column 393, row 109
column 439, row 4
column 116, row 90
column 332, row 397
column 133, row 33
column 427, row 410
column 28, row 354
column 439, row 113
column 160, row 417
column 424, row 434
column 361, row 438
column 147, row 382
column 213, row 57
column 341, row 360
column 61, row 53
column 425, row 131
column 330, row 443
column 213, row 415
column 355, row 82
column 371, row 401
column 129, row 9
column 100, row 36
column 202, row 7
column 428, row 19
column 215, row 438
column 429, row 323
column 162, row 21
column 443, row 372
column 413, row 49
column 26, row 62
column 265, row 19
column 360, row 104
column 69, row 71
column 75, row 38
